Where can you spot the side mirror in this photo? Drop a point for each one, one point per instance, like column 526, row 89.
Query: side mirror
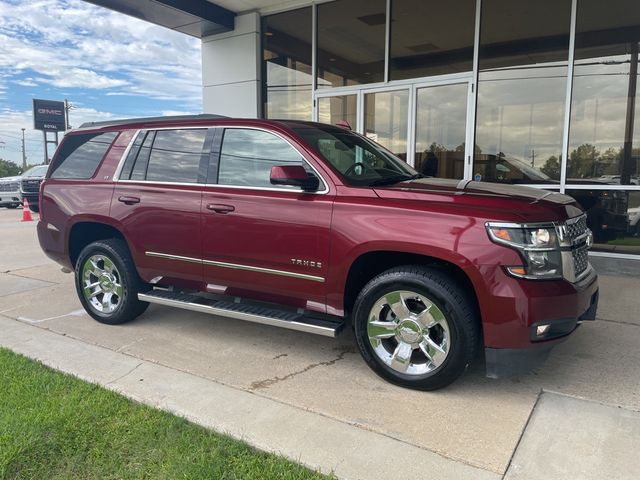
column 294, row 176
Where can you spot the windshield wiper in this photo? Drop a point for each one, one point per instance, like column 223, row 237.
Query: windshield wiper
column 393, row 180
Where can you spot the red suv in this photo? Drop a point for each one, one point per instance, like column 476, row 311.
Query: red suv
column 310, row 227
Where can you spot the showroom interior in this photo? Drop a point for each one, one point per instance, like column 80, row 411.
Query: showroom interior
column 515, row 92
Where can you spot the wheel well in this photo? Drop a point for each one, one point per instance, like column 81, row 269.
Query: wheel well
column 371, row 264
column 84, row 233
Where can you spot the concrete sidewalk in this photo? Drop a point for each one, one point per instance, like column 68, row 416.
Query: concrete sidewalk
column 348, row 417
column 319, row 442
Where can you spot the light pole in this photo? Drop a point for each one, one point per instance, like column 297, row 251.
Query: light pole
column 24, row 153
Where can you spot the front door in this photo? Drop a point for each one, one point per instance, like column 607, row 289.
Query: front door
column 259, row 240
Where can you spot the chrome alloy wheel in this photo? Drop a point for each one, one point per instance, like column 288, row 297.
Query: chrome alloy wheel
column 408, row 332
column 102, row 284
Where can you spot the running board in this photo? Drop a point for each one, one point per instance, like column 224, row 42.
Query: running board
column 244, row 311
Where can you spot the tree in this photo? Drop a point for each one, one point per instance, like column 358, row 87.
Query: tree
column 551, row 168
column 583, row 162
column 9, row 169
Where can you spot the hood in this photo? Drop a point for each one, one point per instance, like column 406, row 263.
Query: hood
column 499, row 201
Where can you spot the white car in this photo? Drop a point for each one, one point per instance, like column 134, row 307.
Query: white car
column 10, row 195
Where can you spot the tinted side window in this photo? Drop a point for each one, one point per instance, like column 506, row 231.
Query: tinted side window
column 80, row 155
column 175, row 155
column 247, row 156
column 131, row 156
column 139, row 171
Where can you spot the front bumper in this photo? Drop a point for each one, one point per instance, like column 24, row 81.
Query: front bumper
column 506, row 362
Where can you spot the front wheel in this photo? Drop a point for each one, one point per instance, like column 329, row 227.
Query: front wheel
column 415, row 327
column 107, row 282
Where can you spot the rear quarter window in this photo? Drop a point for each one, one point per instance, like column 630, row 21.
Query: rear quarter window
column 80, row 155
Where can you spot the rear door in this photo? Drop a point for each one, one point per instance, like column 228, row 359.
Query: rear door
column 157, row 201
column 259, row 240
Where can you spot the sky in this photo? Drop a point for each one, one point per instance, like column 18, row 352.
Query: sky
column 108, row 65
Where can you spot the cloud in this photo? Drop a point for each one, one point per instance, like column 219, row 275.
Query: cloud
column 80, row 78
column 73, row 44
column 26, row 82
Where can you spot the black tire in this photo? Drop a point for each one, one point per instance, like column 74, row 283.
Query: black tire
column 464, row 332
column 34, row 208
column 15, row 205
column 128, row 306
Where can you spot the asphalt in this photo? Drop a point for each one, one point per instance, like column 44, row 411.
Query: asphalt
column 314, row 400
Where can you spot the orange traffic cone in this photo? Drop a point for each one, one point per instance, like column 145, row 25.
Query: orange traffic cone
column 26, row 213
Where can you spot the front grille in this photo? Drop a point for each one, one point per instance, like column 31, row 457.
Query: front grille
column 31, row 185
column 9, row 187
column 576, row 227
column 576, row 235
column 580, row 259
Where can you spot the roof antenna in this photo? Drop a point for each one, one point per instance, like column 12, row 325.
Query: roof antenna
column 344, row 124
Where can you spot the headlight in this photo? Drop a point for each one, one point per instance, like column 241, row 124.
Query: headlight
column 538, row 245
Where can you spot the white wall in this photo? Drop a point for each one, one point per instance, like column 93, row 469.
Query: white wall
column 231, row 69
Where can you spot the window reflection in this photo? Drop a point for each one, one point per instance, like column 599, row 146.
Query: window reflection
column 175, row 155
column 431, row 37
column 614, row 218
column 440, row 130
column 247, row 156
column 603, row 136
column 341, row 108
column 521, row 90
column 351, row 42
column 286, row 41
column 385, row 120
column 80, row 155
column 139, row 171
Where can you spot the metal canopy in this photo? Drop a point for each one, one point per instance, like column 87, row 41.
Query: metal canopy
column 197, row 18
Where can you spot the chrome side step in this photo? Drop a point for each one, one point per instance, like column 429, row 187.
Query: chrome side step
column 244, row 311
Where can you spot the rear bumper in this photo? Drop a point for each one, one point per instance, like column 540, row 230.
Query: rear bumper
column 506, row 362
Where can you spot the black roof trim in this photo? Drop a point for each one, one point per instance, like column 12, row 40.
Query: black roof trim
column 168, row 118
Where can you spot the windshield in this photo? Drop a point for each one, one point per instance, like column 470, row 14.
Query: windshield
column 39, row 171
column 360, row 161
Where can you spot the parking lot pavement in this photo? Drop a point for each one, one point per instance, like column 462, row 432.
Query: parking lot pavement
column 476, row 421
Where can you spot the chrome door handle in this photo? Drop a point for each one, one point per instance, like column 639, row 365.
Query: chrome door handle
column 128, row 200
column 220, row 208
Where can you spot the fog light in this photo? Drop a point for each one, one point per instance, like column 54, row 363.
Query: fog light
column 542, row 330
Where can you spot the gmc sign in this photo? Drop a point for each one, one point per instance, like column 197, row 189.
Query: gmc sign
column 49, row 115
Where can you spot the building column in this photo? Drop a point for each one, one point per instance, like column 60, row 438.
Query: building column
column 231, row 69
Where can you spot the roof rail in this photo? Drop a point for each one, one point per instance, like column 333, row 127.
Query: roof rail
column 168, row 118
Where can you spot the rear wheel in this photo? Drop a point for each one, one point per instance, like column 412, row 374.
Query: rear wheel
column 107, row 282
column 35, row 208
column 415, row 327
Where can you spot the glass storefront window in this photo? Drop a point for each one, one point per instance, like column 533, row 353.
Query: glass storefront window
column 431, row 37
column 524, row 49
column 440, row 130
column 386, row 120
column 614, row 218
column 286, row 65
column 351, row 42
column 604, row 133
column 341, row 108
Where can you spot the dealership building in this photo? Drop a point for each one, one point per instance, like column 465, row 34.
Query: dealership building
column 539, row 93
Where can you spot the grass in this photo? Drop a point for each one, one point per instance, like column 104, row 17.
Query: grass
column 54, row 426
column 630, row 241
